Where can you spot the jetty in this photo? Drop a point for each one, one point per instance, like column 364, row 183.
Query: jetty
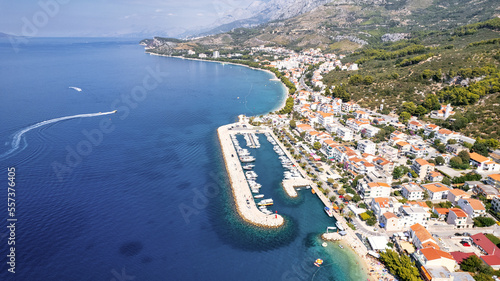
column 290, row 184
column 245, row 204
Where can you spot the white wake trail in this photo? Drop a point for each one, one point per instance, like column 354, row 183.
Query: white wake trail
column 16, row 139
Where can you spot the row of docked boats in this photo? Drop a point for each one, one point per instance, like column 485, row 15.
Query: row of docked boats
column 278, row 150
column 252, row 140
column 270, row 139
column 290, row 170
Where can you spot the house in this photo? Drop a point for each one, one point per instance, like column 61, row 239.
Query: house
column 367, row 146
column 441, row 273
column 304, row 128
column 411, row 215
column 414, row 126
column 485, row 190
column 473, row 207
column 434, row 257
column 435, row 176
column 412, row 191
column 495, row 203
column 373, row 189
column 456, row 148
column 357, row 125
column 421, row 238
column 429, row 128
column 442, row 213
column 403, row 146
column 381, row 205
column 383, row 164
column 389, row 221
column 345, row 134
column 436, row 190
column 445, row 112
column 458, row 218
column 492, row 260
column 484, row 244
column 418, row 151
column 358, row 114
column 456, row 194
column 444, row 135
column 494, row 180
column 377, row 176
column 483, row 163
column 325, row 118
column 369, row 131
column 422, row 167
column 349, row 106
column 399, row 135
column 327, row 147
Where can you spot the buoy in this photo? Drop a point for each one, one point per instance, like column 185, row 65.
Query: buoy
column 324, row 244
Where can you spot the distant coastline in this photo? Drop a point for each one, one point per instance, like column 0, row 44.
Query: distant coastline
column 282, row 103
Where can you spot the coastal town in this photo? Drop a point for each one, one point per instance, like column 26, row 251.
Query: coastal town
column 406, row 186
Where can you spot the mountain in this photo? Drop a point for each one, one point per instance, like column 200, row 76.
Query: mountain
column 345, row 25
column 259, row 12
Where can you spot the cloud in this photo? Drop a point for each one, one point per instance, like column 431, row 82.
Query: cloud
column 200, row 14
column 158, row 10
column 170, row 14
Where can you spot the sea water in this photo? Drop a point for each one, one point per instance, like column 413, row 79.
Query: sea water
column 142, row 194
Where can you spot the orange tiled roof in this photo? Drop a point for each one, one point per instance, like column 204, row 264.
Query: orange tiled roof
column 458, row 192
column 434, row 254
column 442, row 211
column 383, row 202
column 476, row 204
column 435, row 187
column 478, row 158
column 422, row 234
column 459, row 212
column 389, row 215
column 375, row 184
column 495, row 177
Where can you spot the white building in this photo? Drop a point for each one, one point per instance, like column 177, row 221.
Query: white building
column 345, row 134
column 373, row 189
column 412, row 191
column 473, row 207
column 367, row 146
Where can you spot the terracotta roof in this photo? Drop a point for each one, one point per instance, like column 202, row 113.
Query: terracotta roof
column 374, row 184
column 445, row 132
column 430, row 244
column 478, row 158
column 459, row 212
column 434, row 174
column 383, row 202
column 495, row 177
column 402, row 143
column 460, row 256
column 432, row 126
column 459, row 192
column 422, row 162
column 442, row 211
column 389, row 215
column 422, row 234
column 420, row 203
column 435, row 187
column 434, row 254
column 476, row 204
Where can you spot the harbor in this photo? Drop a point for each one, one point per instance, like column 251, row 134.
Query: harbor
column 242, row 184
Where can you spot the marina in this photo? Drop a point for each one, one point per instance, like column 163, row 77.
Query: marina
column 242, row 188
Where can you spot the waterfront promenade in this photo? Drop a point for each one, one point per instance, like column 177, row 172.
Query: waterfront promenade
column 245, row 204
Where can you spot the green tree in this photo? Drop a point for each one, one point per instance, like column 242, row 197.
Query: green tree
column 293, row 124
column 420, row 110
column 431, row 102
column 341, row 93
column 368, row 80
column 483, row 221
column 404, row 117
column 327, row 92
column 471, row 264
column 356, row 198
column 464, row 155
column 480, row 147
column 446, row 181
column 439, row 160
column 317, row 145
column 492, row 143
column 409, row 107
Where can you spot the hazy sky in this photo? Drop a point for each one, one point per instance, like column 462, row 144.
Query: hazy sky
column 109, row 17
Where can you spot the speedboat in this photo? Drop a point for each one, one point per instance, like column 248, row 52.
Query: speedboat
column 258, row 196
column 246, row 159
column 266, row 202
column 248, row 166
column 318, row 262
column 329, row 212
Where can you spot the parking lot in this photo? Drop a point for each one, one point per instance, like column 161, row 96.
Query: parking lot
column 453, row 245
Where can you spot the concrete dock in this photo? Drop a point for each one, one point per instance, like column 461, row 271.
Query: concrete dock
column 290, row 185
column 242, row 194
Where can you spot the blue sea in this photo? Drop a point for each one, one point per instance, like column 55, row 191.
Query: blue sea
column 142, row 194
